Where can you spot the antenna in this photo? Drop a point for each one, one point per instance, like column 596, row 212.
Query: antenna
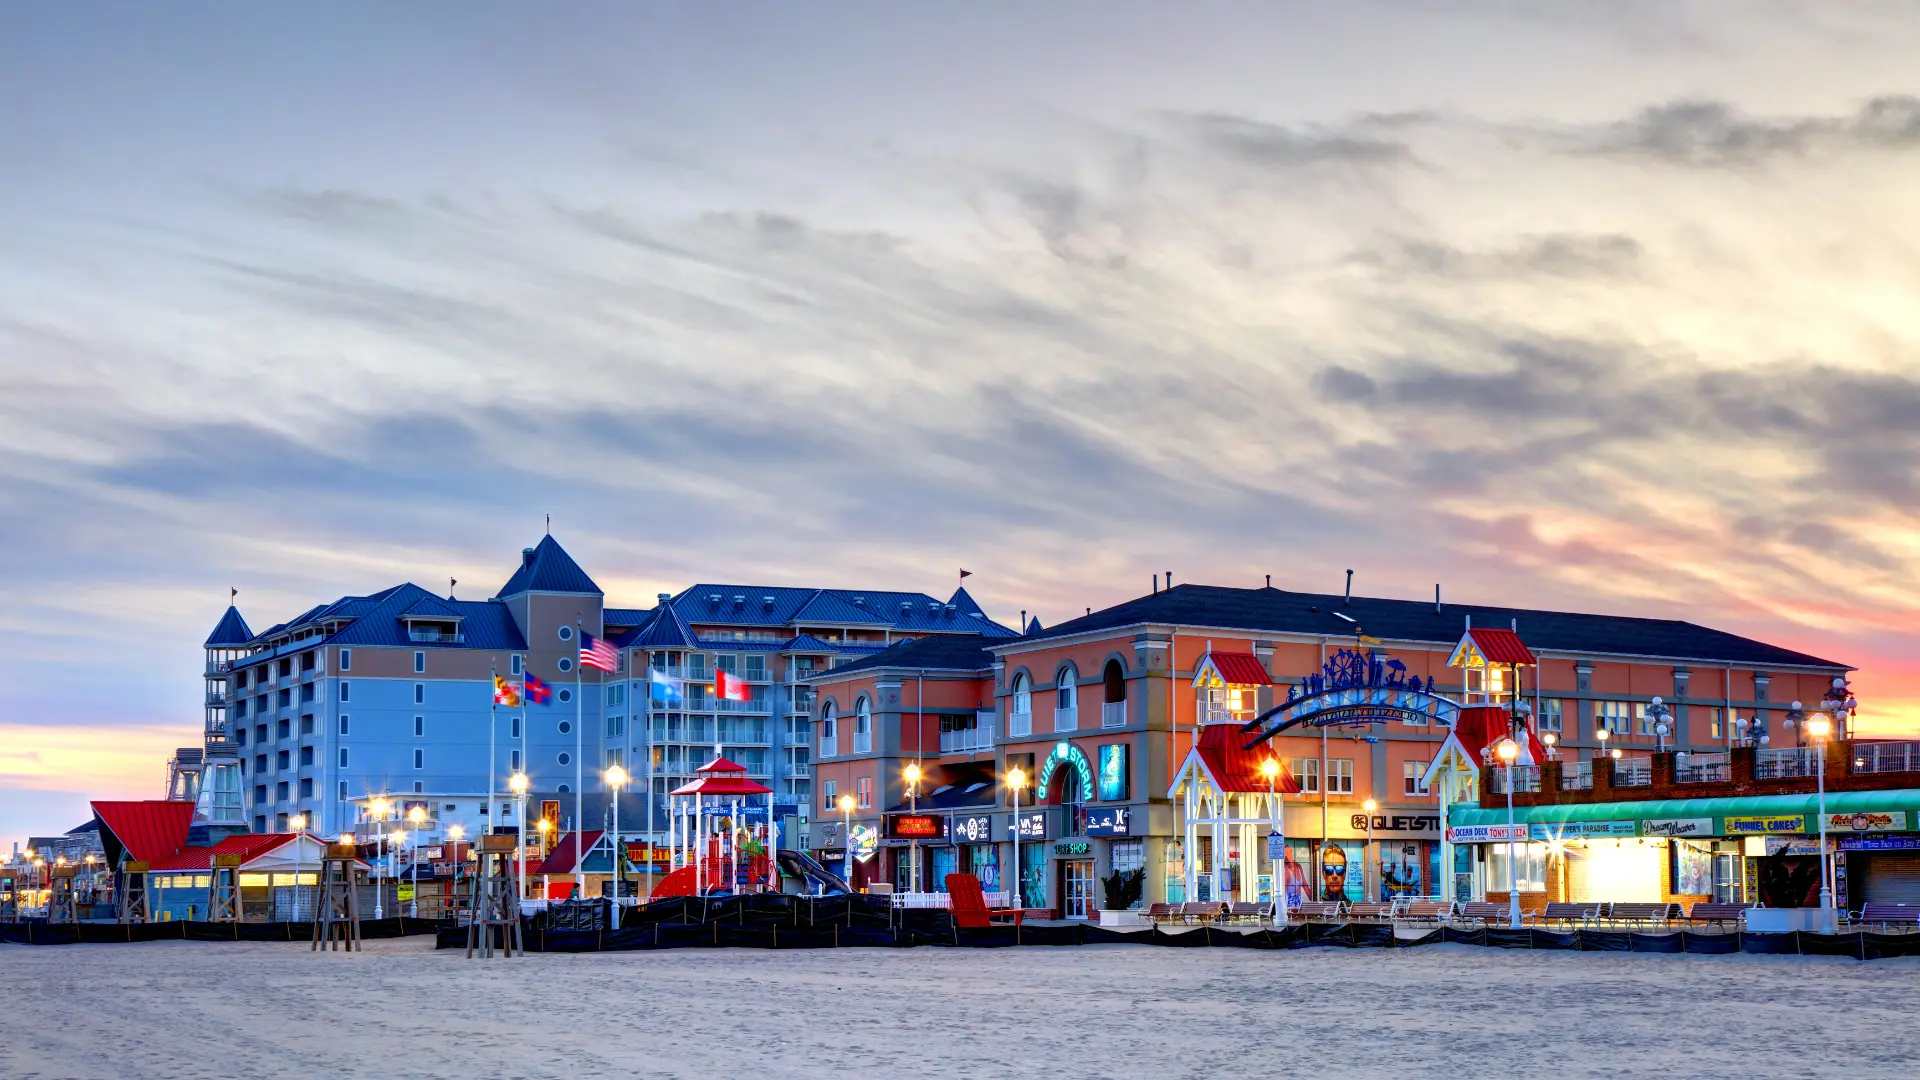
column 1349, row 598
column 1269, row 581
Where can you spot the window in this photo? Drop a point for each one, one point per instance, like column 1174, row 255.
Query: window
column 1640, row 722
column 615, row 757
column 306, row 692
column 286, row 668
column 259, row 763
column 566, row 727
column 1549, row 718
column 280, row 791
column 616, row 693
column 343, row 791
column 346, row 689
column 259, row 793
column 828, row 790
column 343, row 757
column 565, row 696
column 306, row 756
column 515, row 728
column 863, row 789
column 419, row 662
column 514, row 763
column 283, row 729
column 827, row 731
column 306, row 788
column 306, row 724
column 616, row 726
column 1530, row 868
column 240, row 707
column 1340, row 776
column 566, row 664
column 286, row 698
column 514, row 665
column 566, row 633
column 1066, row 690
column 418, row 787
column 1717, row 721
column 260, row 733
column 1411, row 772
column 345, row 725
column 419, row 758
column 1020, row 709
column 1611, row 716
column 346, row 660
column 419, row 727
column 240, row 736
column 1307, row 771
column 862, row 726
column 307, row 660
column 564, row 758
column 756, row 667
column 419, row 693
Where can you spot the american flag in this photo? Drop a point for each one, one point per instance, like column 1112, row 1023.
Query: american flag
column 598, row 653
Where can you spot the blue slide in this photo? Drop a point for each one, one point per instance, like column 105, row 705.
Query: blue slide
column 814, row 879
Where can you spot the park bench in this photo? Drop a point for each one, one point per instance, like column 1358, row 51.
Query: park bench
column 1642, row 914
column 1563, row 912
column 1369, row 912
column 1318, row 910
column 1250, row 911
column 1482, row 913
column 1163, row 913
column 1717, row 912
column 1888, row 916
column 1202, row 911
column 1427, row 911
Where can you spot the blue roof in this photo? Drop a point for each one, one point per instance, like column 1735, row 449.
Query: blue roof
column 938, row 652
column 781, row 606
column 663, row 629
column 547, row 567
column 624, row 616
column 484, row 624
column 231, row 631
column 807, row 643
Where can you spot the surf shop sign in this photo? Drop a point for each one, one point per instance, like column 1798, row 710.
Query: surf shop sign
column 1353, row 687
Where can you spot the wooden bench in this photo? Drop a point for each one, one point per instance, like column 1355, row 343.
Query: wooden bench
column 1249, row 911
column 1163, row 913
column 1565, row 912
column 1642, row 913
column 1369, row 912
column 1887, row 916
column 1318, row 910
column 1708, row 911
column 1482, row 912
column 1429, row 911
column 1202, row 911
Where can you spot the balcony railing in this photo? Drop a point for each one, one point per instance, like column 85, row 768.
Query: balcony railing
column 1576, row 776
column 970, row 739
column 1885, row 757
column 1783, row 764
column 219, row 667
column 1525, row 778
column 1702, row 769
column 1019, row 724
column 435, row 637
column 863, row 742
column 1632, row 774
column 216, row 700
column 1113, row 714
column 799, row 770
column 1066, row 719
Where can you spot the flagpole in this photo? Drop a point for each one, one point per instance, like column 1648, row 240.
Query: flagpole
column 647, row 749
column 493, row 724
column 579, row 752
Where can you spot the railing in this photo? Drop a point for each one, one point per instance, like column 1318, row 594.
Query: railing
column 216, row 699
column 1576, row 776
column 1525, row 778
column 1781, row 764
column 1113, row 714
column 862, row 742
column 435, row 637
column 723, row 705
column 1885, row 757
column 799, row 770
column 1019, row 724
column 940, row 900
column 1702, row 769
column 1632, row 774
column 1066, row 719
column 829, row 745
column 219, row 667
column 968, row 740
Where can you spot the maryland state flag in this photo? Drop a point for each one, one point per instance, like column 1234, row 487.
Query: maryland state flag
column 505, row 693
column 538, row 691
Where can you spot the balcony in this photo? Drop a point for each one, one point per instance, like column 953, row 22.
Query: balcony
column 216, row 700
column 1702, row 769
column 969, row 740
column 218, row 667
column 1525, row 778
column 1113, row 714
column 829, row 746
column 1066, row 719
column 1885, row 758
column 799, row 770
column 1783, row 764
column 1576, row 776
column 1019, row 724
column 1632, row 774
column 436, row 637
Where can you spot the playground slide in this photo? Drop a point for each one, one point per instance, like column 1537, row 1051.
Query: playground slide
column 814, row 878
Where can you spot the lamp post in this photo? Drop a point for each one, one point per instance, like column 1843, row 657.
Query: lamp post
column 417, row 817
column 1508, row 750
column 1660, row 716
column 1819, row 726
column 1552, row 742
column 298, row 823
column 399, row 837
column 616, row 776
column 379, row 806
column 1277, row 852
column 517, row 783
column 912, row 775
column 846, row 827
column 455, row 833
column 1366, row 858
column 1600, row 736
column 1016, row 780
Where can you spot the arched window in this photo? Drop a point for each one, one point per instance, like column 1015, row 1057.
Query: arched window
column 826, row 729
column 1068, row 692
column 862, row 726
column 1020, row 709
column 1113, row 713
column 1066, row 716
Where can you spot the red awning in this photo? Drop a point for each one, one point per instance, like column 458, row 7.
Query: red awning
column 1501, row 646
column 1235, row 768
column 193, row 858
column 723, row 785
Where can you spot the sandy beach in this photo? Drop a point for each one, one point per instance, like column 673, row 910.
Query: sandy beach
column 193, row 1010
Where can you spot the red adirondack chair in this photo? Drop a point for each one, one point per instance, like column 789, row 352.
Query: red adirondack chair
column 970, row 910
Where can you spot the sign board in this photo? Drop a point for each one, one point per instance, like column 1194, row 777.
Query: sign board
column 1072, row 847
column 550, row 811
column 1031, row 825
column 406, row 893
column 1693, row 826
column 1276, row 846
column 1788, row 845
column 1764, row 825
column 1397, row 826
column 434, row 853
column 1581, row 830
column 1110, row 821
column 1868, row 821
column 971, row 829
column 494, row 843
column 1880, row 843
column 915, row 827
column 865, row 842
column 1485, row 834
column 227, row 860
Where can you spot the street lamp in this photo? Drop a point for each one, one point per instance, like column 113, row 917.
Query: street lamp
column 298, row 823
column 1819, row 726
column 616, row 776
column 1600, row 736
column 912, row 775
column 1366, row 857
column 1508, row 750
column 846, row 826
column 1016, row 781
column 379, row 806
column 517, row 783
column 417, row 817
column 1277, row 840
column 1661, row 717
column 1551, row 741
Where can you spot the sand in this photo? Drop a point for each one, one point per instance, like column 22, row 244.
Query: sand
column 181, row 1009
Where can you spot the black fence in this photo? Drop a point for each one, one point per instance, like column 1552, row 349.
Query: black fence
column 44, row 933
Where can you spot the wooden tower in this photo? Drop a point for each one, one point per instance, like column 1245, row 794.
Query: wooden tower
column 336, row 920
column 495, row 903
column 223, row 892
column 61, row 904
column 133, row 893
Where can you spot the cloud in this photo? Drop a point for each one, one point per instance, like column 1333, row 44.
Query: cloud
column 1714, row 133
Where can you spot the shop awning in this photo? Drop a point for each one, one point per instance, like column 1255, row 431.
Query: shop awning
column 1892, row 801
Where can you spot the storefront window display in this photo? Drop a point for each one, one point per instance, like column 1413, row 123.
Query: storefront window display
column 1299, row 858
column 944, row 863
column 1530, row 867
column 1401, row 869
column 1033, row 875
column 1692, row 870
column 984, row 860
column 1342, row 869
column 1174, row 869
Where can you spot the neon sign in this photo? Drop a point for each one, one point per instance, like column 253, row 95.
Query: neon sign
column 1353, row 687
column 1065, row 753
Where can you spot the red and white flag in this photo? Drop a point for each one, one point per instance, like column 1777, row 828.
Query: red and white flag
column 729, row 687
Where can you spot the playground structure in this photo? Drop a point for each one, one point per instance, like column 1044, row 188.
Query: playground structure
column 714, row 851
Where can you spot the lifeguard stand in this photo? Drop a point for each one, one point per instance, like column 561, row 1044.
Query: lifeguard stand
column 60, row 904
column 495, row 902
column 223, row 891
column 133, row 893
column 336, row 921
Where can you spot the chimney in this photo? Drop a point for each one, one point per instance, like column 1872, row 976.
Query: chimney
column 663, row 597
column 1436, row 598
column 1169, row 579
column 1269, row 581
column 526, row 556
column 1349, row 587
column 1156, row 584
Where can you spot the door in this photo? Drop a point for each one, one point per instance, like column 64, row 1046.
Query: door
column 1726, row 877
column 1076, row 887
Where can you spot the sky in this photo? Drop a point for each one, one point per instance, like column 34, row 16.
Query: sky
column 1590, row 306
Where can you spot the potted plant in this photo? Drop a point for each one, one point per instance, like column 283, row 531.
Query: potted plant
column 1123, row 889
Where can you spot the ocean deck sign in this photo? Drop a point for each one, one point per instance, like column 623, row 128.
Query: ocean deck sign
column 1353, row 687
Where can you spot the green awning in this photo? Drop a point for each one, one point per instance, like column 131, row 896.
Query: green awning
column 1896, row 800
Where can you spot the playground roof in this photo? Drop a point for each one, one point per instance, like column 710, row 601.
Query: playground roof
column 723, row 785
column 721, row 765
column 560, row 858
column 1499, row 646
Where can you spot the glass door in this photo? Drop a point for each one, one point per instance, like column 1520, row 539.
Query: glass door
column 1076, row 887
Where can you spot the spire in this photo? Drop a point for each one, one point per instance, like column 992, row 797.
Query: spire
column 230, row 632
column 547, row 567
